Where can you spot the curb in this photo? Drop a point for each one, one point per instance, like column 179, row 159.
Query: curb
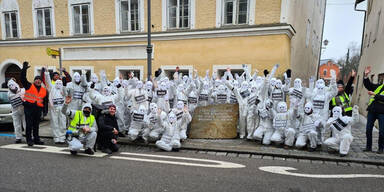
column 282, row 155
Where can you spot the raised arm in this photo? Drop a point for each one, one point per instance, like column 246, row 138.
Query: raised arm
column 23, row 75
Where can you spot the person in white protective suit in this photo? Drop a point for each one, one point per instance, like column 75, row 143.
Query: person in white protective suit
column 183, row 118
column 320, row 98
column 281, row 125
column 307, row 128
column 106, row 98
column 138, row 96
column 15, row 97
column 252, row 106
column 76, row 90
column 341, row 130
column 56, row 101
column 220, row 95
column 279, row 91
column 137, row 122
column 182, row 93
column 127, row 104
column 161, row 96
column 154, row 127
column 265, row 130
column 170, row 126
column 205, row 92
column 95, row 80
column 149, row 89
column 193, row 98
column 82, row 130
column 296, row 95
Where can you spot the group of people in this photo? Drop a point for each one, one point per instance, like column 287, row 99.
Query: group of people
column 159, row 110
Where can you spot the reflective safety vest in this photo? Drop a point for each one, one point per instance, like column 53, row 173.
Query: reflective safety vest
column 53, row 82
column 34, row 96
column 79, row 122
column 345, row 102
column 377, row 91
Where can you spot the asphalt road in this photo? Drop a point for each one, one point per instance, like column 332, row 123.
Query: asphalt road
column 23, row 170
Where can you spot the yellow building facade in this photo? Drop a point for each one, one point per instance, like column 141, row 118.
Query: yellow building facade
column 110, row 35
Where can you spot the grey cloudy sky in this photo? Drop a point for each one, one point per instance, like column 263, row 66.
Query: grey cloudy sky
column 343, row 25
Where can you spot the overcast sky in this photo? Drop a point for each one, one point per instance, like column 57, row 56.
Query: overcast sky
column 343, row 25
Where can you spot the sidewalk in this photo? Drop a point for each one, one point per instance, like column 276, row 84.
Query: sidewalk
column 239, row 146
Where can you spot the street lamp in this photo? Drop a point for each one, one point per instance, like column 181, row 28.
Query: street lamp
column 149, row 46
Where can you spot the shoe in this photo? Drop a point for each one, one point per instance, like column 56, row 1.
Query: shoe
column 30, row 143
column 59, row 143
column 107, row 150
column 367, row 150
column 343, row 155
column 39, row 142
column 18, row 141
column 73, row 152
column 121, row 134
column 89, row 151
column 380, row 151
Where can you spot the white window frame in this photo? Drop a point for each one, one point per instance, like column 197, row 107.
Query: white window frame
column 72, row 3
column 43, row 5
column 181, row 67
column 216, row 68
column 191, row 16
column 118, row 16
column 37, row 24
column 235, row 16
column 38, row 68
column 127, row 68
column 10, row 25
column 9, row 6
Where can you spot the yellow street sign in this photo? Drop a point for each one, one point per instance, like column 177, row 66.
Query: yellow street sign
column 53, row 52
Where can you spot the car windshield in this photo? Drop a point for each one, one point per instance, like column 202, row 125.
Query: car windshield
column 4, row 97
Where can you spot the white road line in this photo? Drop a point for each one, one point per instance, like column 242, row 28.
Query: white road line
column 285, row 171
column 215, row 164
column 64, row 150
column 47, row 149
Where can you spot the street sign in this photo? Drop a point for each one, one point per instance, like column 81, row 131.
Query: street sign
column 53, row 52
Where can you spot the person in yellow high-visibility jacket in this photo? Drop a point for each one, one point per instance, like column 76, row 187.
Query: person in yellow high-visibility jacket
column 342, row 99
column 82, row 128
column 375, row 111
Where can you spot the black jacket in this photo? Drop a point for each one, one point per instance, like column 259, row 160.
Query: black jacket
column 106, row 123
column 377, row 106
column 26, row 84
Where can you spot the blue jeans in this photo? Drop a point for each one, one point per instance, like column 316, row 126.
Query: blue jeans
column 371, row 118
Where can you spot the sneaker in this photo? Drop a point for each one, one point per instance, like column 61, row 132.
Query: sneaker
column 380, row 151
column 39, row 142
column 73, row 152
column 18, row 141
column 343, row 155
column 89, row 151
column 107, row 151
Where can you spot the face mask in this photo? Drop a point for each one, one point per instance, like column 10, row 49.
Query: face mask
column 253, row 89
column 77, row 78
column 336, row 112
column 278, row 84
column 153, row 107
column 308, row 108
column 282, row 107
column 86, row 113
column 94, row 79
column 139, row 85
column 297, row 84
column 180, row 105
column 142, row 110
column 273, row 82
column 106, row 91
column 221, row 89
column 320, row 84
column 172, row 118
column 58, row 84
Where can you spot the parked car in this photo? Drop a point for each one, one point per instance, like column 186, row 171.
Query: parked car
column 5, row 108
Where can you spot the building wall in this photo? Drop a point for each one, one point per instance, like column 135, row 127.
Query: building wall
column 305, row 56
column 328, row 67
column 372, row 54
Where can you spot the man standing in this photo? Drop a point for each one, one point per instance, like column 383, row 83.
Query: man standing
column 375, row 111
column 33, row 105
column 342, row 98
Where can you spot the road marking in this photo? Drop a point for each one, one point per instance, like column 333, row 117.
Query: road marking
column 285, row 171
column 214, row 163
column 7, row 135
column 47, row 149
column 144, row 157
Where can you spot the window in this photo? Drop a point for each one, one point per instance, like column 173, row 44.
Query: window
column 235, row 12
column 178, row 14
column 51, row 69
column 129, row 15
column 170, row 72
column 325, row 72
column 44, row 18
column 239, row 72
column 81, row 19
column 10, row 21
column 125, row 73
